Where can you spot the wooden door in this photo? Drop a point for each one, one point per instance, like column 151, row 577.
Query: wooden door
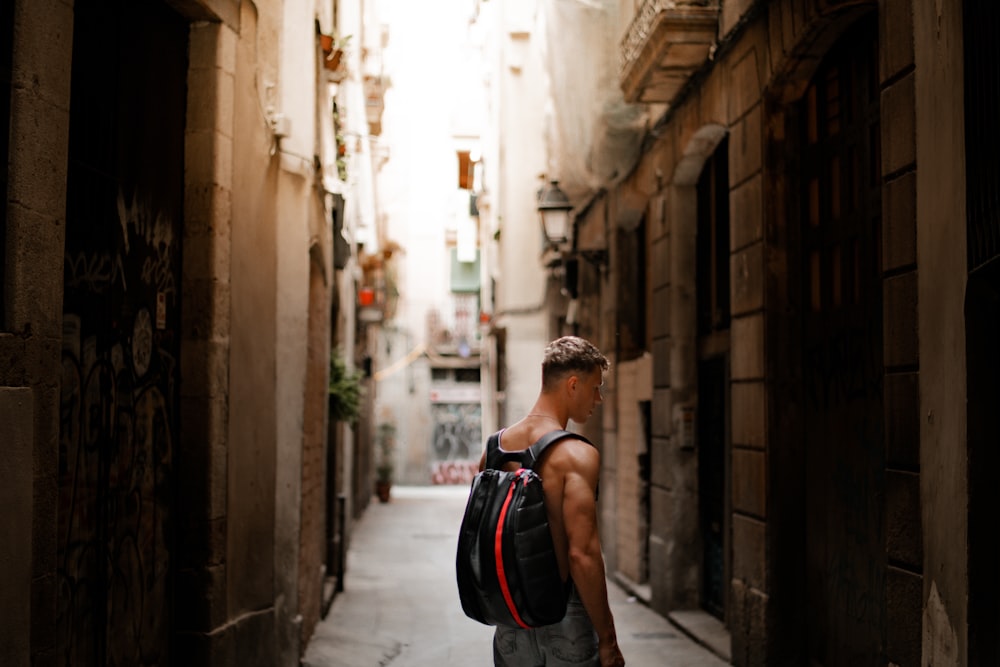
column 121, row 344
column 842, row 369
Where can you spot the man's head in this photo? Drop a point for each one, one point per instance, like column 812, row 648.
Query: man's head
column 570, row 355
column 572, row 376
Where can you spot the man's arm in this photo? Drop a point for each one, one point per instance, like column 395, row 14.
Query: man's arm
column 586, row 562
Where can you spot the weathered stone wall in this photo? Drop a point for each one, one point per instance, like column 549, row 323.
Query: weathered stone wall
column 766, row 56
column 31, row 326
column 16, row 434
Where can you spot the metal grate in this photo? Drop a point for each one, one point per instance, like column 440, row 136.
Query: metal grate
column 982, row 133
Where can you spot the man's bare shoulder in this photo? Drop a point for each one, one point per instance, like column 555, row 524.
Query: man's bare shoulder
column 578, row 443
column 577, row 463
column 575, row 454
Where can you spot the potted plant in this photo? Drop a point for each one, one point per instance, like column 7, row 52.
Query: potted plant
column 344, row 390
column 386, row 442
column 333, row 55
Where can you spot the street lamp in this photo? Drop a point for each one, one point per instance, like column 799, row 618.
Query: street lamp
column 554, row 208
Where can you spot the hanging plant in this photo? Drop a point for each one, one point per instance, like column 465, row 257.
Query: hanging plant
column 345, row 390
column 341, row 143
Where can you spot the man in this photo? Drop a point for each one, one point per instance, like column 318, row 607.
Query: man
column 572, row 376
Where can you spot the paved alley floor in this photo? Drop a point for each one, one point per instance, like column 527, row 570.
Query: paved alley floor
column 400, row 605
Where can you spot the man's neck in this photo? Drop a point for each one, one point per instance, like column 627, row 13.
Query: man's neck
column 541, row 414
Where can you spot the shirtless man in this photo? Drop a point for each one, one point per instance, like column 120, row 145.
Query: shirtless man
column 572, row 376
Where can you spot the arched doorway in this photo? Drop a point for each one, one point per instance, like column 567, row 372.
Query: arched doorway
column 697, row 566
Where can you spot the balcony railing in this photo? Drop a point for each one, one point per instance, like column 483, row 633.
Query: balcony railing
column 665, row 44
column 374, row 88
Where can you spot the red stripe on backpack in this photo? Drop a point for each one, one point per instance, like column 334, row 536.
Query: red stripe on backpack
column 498, row 553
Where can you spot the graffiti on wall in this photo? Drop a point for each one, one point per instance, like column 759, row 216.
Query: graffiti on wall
column 456, row 445
column 116, row 436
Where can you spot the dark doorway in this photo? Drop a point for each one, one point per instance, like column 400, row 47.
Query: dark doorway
column 982, row 317
column 843, row 449
column 713, row 382
column 713, row 285
column 121, row 343
column 982, row 310
column 645, row 500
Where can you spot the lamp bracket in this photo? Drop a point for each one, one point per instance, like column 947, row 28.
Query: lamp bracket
column 555, row 257
column 598, row 257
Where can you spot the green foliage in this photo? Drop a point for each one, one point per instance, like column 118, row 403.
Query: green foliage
column 340, row 140
column 386, row 440
column 345, row 390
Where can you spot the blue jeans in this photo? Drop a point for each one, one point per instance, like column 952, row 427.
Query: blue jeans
column 572, row 642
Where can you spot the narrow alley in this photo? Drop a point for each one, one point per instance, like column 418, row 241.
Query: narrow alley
column 262, row 259
column 400, row 605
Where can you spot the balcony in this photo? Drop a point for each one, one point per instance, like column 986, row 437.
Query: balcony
column 374, row 87
column 665, row 44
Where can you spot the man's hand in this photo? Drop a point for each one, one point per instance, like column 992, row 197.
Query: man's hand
column 611, row 656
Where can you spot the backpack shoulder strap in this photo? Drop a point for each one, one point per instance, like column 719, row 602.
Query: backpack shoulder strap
column 533, row 454
column 496, row 457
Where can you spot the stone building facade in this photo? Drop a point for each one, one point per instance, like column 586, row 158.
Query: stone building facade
column 172, row 288
column 796, row 283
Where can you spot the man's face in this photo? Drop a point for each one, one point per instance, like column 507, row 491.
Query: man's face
column 586, row 395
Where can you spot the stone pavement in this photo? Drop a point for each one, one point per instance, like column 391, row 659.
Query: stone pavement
column 400, row 605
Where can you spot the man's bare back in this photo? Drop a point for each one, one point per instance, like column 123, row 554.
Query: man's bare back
column 561, row 461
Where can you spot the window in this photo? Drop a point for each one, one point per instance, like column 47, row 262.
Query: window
column 464, row 275
column 467, row 375
column 632, row 245
column 713, row 242
column 465, row 170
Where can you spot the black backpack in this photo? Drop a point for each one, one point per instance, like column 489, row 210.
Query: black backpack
column 506, row 564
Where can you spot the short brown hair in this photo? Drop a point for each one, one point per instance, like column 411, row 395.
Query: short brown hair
column 570, row 354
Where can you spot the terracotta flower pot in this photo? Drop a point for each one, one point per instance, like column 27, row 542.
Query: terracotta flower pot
column 332, row 61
